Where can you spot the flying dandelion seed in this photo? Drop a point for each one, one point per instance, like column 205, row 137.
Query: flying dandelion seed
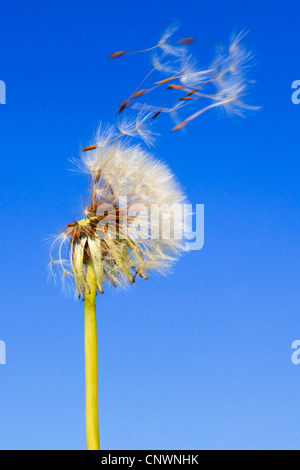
column 224, row 82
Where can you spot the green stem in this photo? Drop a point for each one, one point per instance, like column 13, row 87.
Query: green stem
column 91, row 363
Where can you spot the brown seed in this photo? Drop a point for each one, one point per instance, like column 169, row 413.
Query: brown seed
column 117, row 54
column 175, row 87
column 179, row 126
column 186, row 41
column 193, row 91
column 139, row 93
column 165, row 80
column 91, row 147
column 98, row 175
column 123, row 106
column 157, row 113
column 68, row 231
column 185, row 98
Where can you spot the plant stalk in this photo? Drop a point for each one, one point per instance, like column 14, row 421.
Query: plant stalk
column 91, row 363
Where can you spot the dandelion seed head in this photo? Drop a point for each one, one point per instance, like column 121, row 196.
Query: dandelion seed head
column 115, row 235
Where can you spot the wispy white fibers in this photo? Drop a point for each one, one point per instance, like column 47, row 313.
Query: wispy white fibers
column 133, row 221
column 222, row 83
column 231, row 66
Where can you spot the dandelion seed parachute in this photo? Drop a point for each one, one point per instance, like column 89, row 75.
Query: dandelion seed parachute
column 224, row 82
column 230, row 79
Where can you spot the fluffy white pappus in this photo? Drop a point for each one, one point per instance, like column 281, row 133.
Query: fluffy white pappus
column 230, row 75
column 134, row 221
column 138, row 126
column 135, row 174
column 191, row 73
column 105, row 134
column 130, row 169
column 163, row 64
column 167, row 47
column 172, row 59
column 224, row 83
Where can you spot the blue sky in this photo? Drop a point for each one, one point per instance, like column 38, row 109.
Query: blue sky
column 200, row 359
